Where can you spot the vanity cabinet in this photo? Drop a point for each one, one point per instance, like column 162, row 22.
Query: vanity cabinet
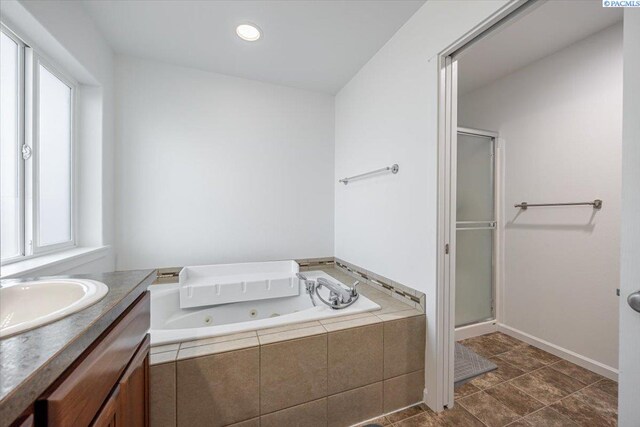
column 110, row 412
column 133, row 391
column 109, row 384
column 128, row 403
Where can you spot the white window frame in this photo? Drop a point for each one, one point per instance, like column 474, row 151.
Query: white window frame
column 21, row 128
column 30, row 60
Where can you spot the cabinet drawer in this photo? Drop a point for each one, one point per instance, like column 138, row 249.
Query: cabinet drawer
column 78, row 398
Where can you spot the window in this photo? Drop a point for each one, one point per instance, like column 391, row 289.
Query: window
column 36, row 157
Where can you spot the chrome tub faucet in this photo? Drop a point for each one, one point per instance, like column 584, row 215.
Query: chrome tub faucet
column 339, row 297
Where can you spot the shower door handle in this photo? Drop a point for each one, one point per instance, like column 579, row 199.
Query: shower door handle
column 634, row 301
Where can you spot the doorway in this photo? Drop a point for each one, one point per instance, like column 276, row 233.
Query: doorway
column 554, row 248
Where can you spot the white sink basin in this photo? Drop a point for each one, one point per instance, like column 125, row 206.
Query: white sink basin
column 27, row 305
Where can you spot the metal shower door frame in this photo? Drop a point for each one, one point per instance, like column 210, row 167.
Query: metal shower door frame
column 493, row 223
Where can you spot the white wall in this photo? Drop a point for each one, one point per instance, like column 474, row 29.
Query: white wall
column 561, row 122
column 216, row 169
column 388, row 114
column 63, row 32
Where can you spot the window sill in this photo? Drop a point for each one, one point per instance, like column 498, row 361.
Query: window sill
column 73, row 257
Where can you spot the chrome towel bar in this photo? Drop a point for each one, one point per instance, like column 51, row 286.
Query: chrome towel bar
column 597, row 204
column 393, row 168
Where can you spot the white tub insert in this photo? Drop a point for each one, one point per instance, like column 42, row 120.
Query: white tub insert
column 170, row 323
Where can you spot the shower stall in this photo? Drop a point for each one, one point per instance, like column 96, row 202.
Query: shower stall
column 476, row 227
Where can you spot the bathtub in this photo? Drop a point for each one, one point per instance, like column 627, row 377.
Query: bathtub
column 171, row 324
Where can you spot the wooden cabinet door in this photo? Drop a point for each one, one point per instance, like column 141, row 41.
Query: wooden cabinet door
column 78, row 398
column 108, row 416
column 134, row 389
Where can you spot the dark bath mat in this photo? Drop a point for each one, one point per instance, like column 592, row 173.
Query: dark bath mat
column 469, row 365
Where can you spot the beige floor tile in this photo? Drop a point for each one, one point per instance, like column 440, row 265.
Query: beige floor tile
column 487, row 380
column 521, row 360
column 574, row 371
column 519, row 423
column 456, row 417
column 603, row 403
column 540, row 355
column 582, row 413
column 548, row 417
column 506, row 339
column 514, row 399
column 465, row 390
column 608, row 386
column 490, row 411
column 547, row 385
column 487, row 346
column 506, row 370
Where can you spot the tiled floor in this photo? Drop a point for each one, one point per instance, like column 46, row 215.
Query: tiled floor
column 530, row 388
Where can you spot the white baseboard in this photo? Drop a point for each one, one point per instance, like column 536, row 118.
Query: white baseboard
column 464, row 332
column 578, row 359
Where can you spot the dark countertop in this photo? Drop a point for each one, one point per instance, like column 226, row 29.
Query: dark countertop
column 31, row 361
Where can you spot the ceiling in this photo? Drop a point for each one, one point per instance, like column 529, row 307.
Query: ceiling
column 545, row 29
column 317, row 45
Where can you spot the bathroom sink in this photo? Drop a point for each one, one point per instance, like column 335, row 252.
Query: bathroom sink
column 27, row 305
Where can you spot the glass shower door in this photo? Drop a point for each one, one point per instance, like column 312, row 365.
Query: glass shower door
column 475, row 228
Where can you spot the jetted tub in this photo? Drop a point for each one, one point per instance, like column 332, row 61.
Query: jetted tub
column 170, row 323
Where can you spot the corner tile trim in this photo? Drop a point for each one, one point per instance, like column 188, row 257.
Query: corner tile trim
column 401, row 291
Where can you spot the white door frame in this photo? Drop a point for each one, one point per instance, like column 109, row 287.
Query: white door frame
column 629, row 378
column 447, row 142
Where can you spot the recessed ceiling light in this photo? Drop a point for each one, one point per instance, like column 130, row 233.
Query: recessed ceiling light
column 248, row 32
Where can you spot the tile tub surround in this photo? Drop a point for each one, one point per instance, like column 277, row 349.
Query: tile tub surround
column 334, row 373
column 395, row 289
column 33, row 360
